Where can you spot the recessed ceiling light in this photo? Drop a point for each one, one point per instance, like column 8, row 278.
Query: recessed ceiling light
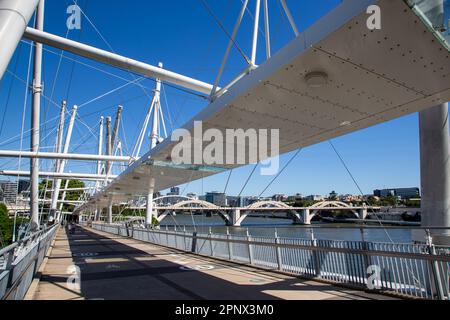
column 316, row 79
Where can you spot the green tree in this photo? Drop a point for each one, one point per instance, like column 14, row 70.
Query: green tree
column 372, row 201
column 389, row 201
column 70, row 195
column 6, row 225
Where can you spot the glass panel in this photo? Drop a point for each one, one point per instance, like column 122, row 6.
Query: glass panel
column 436, row 13
column 191, row 167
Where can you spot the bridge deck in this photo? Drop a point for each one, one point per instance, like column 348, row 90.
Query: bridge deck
column 114, row 267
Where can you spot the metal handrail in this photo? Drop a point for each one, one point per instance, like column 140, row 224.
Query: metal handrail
column 408, row 255
column 31, row 265
column 412, row 270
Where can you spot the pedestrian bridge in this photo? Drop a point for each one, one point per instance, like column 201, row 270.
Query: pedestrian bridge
column 95, row 265
column 116, row 261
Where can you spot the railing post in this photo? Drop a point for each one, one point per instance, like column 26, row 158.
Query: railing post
column 278, row 250
column 194, row 242
column 211, row 242
column 167, row 236
column 10, row 268
column 436, row 285
column 315, row 255
column 176, row 237
column 184, row 239
column 36, row 257
column 250, row 248
column 365, row 247
column 230, row 248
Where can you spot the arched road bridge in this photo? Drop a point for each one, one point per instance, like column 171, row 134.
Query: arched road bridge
column 234, row 216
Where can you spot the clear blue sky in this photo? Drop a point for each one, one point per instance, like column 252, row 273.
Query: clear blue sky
column 184, row 36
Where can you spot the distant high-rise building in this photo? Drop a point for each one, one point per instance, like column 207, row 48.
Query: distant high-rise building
column 24, row 185
column 9, row 191
column 234, row 201
column 402, row 193
column 175, row 191
column 217, row 198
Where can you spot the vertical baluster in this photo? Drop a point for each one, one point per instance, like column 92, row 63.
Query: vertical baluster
column 341, row 265
column 211, row 242
column 350, row 259
column 420, row 285
column 230, row 249
column 278, row 252
column 250, row 248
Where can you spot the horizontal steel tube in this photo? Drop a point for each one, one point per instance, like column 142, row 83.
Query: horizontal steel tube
column 14, row 17
column 73, row 189
column 81, row 176
column 116, row 60
column 64, row 156
column 62, row 201
column 18, row 243
column 406, row 255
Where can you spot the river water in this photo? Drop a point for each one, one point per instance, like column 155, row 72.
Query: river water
column 266, row 227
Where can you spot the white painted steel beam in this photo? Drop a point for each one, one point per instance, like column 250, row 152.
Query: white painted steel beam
column 62, row 164
column 61, row 201
column 37, row 88
column 62, row 156
column 14, row 18
column 74, row 189
column 80, row 176
column 116, row 60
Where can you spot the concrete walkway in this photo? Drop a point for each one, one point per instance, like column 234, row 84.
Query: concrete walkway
column 114, row 267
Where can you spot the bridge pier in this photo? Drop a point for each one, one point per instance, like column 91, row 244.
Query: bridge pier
column 236, row 218
column 297, row 218
column 306, row 216
column 362, row 213
column 435, row 172
column 163, row 215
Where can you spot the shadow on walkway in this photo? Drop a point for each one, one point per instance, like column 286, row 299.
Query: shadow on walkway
column 114, row 267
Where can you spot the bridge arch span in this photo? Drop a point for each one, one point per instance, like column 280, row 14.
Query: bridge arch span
column 186, row 204
column 238, row 216
column 196, row 203
column 267, row 204
column 324, row 205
